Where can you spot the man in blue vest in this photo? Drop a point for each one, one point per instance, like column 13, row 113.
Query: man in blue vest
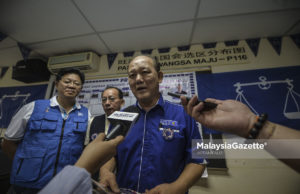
column 46, row 135
column 155, row 156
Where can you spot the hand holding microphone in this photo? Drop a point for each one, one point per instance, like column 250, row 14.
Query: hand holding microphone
column 122, row 121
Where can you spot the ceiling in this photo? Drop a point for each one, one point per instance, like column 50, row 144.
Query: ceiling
column 54, row 27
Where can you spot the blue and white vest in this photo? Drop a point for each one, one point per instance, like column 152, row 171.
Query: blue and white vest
column 49, row 144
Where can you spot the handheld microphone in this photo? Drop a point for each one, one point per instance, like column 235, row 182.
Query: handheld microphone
column 207, row 105
column 122, row 121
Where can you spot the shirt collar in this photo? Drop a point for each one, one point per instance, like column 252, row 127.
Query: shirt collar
column 53, row 102
column 160, row 103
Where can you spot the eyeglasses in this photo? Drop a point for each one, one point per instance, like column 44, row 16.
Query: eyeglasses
column 70, row 82
column 110, row 99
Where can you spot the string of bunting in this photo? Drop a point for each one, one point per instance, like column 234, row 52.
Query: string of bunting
column 3, row 69
column 25, row 51
column 296, row 39
column 253, row 43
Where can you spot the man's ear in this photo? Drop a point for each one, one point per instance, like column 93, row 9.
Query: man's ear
column 160, row 77
column 122, row 102
column 56, row 83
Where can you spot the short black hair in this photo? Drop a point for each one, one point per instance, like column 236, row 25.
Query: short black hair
column 112, row 87
column 65, row 71
column 155, row 63
column 154, row 59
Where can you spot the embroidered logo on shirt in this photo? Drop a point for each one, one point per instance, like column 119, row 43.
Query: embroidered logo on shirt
column 168, row 133
column 168, row 128
column 169, row 122
column 80, row 114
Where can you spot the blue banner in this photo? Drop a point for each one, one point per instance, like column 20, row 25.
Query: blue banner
column 13, row 98
column 274, row 91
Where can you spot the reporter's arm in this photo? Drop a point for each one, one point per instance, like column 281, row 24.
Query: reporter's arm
column 276, row 131
column 229, row 116
column 98, row 152
column 71, row 179
column 273, row 131
column 235, row 117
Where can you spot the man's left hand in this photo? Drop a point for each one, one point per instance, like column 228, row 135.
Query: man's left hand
column 165, row 189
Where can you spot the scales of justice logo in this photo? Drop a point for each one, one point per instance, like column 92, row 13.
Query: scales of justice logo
column 16, row 99
column 292, row 98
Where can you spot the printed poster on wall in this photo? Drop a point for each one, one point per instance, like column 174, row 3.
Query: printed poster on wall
column 90, row 96
column 273, row 91
column 13, row 98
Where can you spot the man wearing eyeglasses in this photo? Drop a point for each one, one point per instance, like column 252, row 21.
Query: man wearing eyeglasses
column 112, row 100
column 46, row 135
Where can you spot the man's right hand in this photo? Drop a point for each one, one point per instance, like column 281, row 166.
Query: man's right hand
column 9, row 148
column 108, row 180
column 229, row 116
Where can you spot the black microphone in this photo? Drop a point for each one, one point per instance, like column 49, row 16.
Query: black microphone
column 122, row 121
column 207, row 105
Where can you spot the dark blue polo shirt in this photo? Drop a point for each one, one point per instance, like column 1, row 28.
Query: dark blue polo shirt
column 157, row 148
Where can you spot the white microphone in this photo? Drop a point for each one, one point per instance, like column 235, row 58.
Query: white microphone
column 122, row 122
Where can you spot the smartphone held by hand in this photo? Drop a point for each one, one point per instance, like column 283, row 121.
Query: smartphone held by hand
column 207, row 105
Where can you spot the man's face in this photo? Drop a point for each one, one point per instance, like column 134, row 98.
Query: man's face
column 69, row 86
column 111, row 101
column 144, row 80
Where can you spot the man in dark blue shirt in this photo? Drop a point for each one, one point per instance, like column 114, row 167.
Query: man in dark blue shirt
column 156, row 154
